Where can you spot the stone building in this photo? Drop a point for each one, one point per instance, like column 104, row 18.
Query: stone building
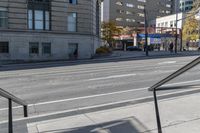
column 49, row 29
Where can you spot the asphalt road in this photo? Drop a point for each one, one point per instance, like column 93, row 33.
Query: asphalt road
column 62, row 86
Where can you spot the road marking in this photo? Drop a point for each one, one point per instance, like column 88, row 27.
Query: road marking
column 103, row 105
column 112, row 77
column 167, row 62
column 62, row 70
column 99, row 95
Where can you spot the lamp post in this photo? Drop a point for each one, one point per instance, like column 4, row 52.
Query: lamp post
column 176, row 36
column 146, row 34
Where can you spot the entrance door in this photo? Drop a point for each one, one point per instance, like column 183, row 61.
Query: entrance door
column 73, row 51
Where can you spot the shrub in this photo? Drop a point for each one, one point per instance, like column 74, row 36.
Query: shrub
column 102, row 50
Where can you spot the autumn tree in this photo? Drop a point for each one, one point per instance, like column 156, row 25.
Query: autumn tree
column 109, row 31
column 190, row 27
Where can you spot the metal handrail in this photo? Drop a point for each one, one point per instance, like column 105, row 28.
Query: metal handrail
column 11, row 98
column 165, row 80
column 15, row 99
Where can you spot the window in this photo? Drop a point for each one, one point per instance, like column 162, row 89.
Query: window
column 168, row 12
column 140, row 7
column 171, row 23
column 72, row 22
column 39, row 15
column 46, row 48
column 119, row 3
column 4, row 47
column 168, row 5
column 129, row 13
column 175, row 23
column 141, row 14
column 120, row 11
column 129, row 5
column 119, row 19
column 73, row 2
column 39, row 22
column 128, row 20
column 166, row 24
column 3, row 18
column 34, row 48
column 142, row 0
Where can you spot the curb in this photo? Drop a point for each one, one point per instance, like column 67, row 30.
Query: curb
column 119, row 57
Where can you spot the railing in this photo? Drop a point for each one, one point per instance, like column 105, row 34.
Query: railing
column 11, row 98
column 155, row 87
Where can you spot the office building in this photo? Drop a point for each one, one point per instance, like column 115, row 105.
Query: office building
column 186, row 5
column 131, row 12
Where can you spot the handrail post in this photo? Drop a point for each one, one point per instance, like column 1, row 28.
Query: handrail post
column 10, row 120
column 157, row 112
column 25, row 111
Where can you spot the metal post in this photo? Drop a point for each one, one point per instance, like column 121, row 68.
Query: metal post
column 157, row 112
column 199, row 34
column 25, row 111
column 146, row 34
column 176, row 36
column 10, row 121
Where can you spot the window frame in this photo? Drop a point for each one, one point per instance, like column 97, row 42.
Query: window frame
column 4, row 50
column 76, row 23
column 44, row 6
column 76, row 2
column 30, row 48
column 4, row 10
column 43, row 51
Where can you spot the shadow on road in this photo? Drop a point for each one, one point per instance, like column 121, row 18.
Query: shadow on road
column 128, row 125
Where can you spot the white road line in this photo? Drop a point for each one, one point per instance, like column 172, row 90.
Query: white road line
column 101, row 105
column 112, row 77
column 167, row 62
column 99, row 95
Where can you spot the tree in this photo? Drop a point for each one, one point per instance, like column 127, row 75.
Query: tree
column 109, row 31
column 190, row 27
column 196, row 5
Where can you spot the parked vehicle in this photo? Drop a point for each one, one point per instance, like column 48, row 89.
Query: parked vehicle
column 133, row 48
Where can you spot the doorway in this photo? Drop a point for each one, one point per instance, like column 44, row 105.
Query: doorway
column 73, row 51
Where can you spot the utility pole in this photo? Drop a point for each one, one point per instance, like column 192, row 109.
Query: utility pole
column 146, row 34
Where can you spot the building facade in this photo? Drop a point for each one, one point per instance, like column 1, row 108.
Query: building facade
column 49, row 29
column 170, row 21
column 131, row 12
column 186, row 5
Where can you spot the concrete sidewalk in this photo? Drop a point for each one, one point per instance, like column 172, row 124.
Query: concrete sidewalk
column 151, row 53
column 178, row 115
